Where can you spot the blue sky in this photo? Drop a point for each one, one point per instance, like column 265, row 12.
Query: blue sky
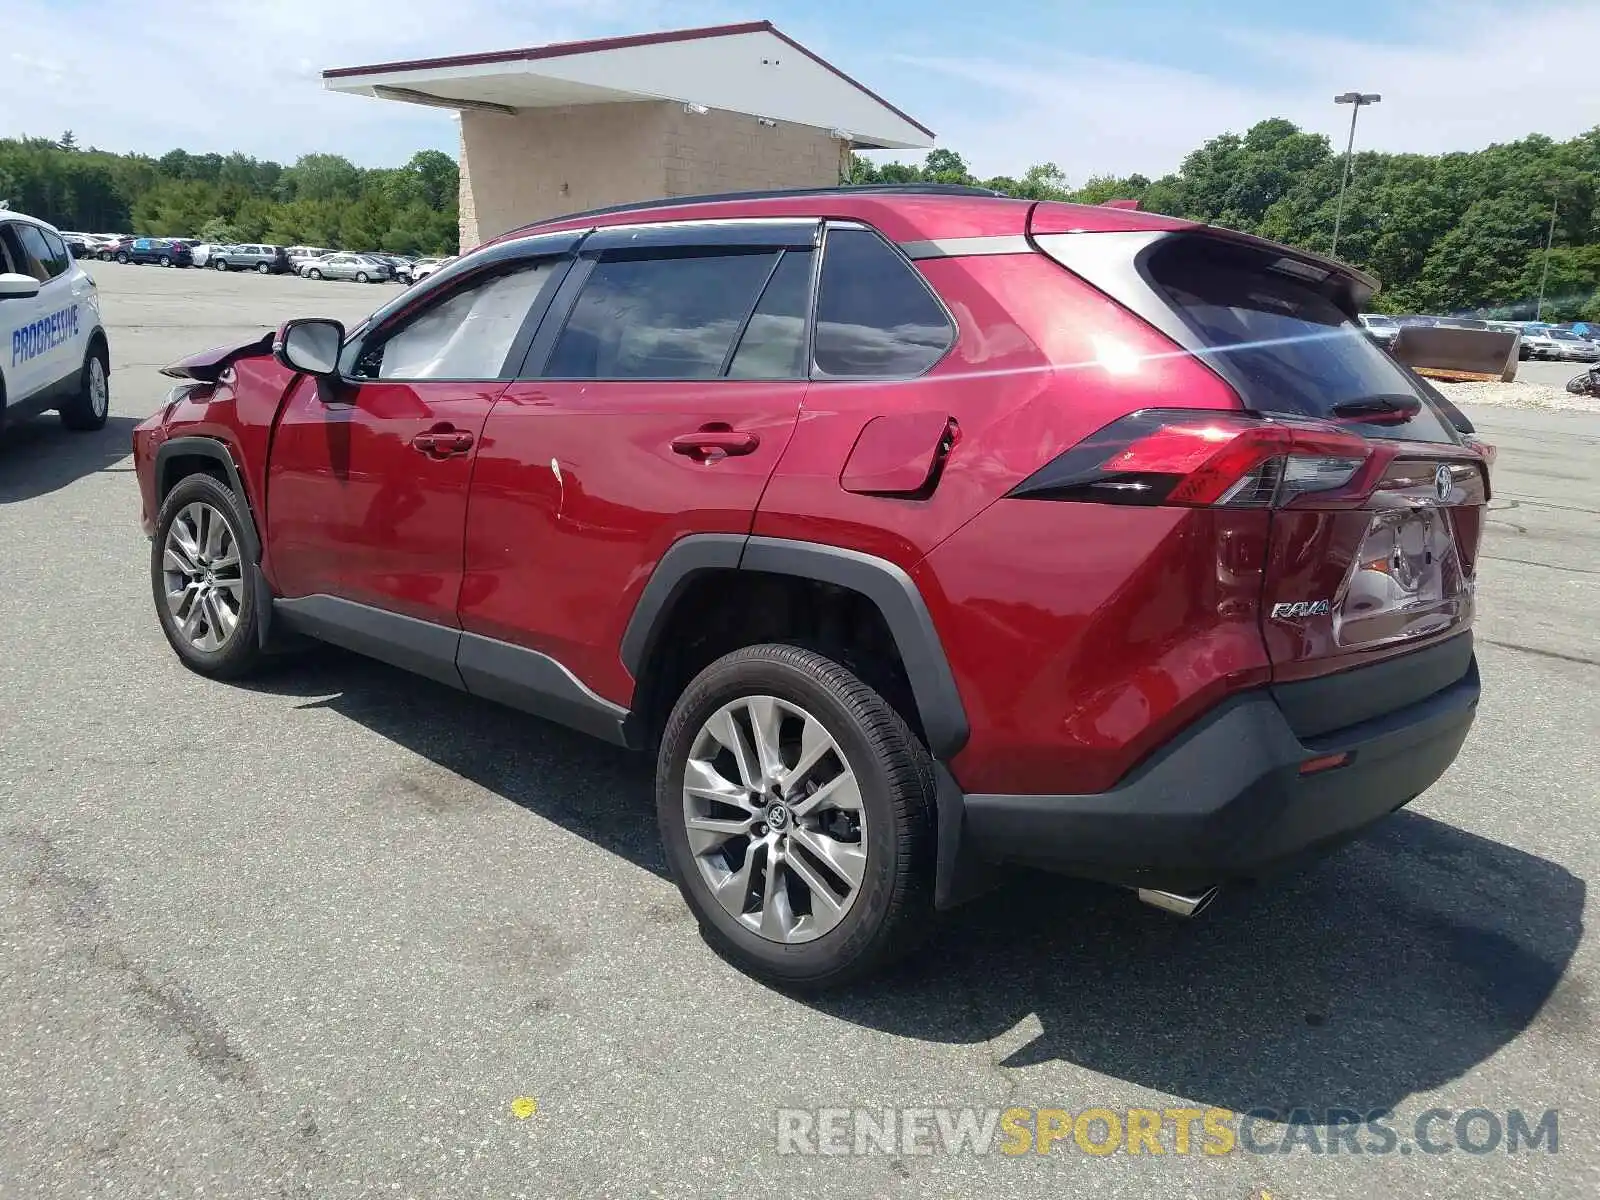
column 1098, row 88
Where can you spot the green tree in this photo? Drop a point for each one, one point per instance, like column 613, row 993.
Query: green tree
column 362, row 225
column 323, row 177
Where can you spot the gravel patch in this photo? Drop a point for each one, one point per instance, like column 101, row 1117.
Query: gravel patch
column 1520, row 395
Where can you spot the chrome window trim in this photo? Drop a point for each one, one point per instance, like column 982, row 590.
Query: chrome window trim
column 967, row 247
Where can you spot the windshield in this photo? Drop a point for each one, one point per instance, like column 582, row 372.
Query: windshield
column 1283, row 342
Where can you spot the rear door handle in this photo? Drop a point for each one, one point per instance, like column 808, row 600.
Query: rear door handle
column 442, row 443
column 707, row 445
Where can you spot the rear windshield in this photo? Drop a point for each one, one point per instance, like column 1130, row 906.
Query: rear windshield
column 1283, row 342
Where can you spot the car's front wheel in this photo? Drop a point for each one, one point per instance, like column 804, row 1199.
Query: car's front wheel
column 313, row 273
column 363, row 277
column 122, row 257
column 796, row 808
column 204, row 579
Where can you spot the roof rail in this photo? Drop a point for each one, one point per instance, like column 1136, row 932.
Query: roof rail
column 845, row 189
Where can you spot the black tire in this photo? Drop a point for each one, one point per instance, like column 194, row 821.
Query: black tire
column 241, row 653
column 221, row 264
column 104, row 256
column 122, row 257
column 313, row 273
column 892, row 912
column 362, row 277
column 262, row 268
column 90, row 405
column 165, row 261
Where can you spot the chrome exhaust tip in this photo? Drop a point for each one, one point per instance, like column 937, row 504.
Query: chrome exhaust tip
column 1174, row 902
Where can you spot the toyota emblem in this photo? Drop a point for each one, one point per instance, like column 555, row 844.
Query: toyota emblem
column 1442, row 483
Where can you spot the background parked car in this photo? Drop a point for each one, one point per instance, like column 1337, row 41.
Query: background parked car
column 115, row 247
column 1569, row 347
column 80, row 244
column 251, row 256
column 359, row 267
column 1381, row 329
column 398, row 263
column 298, row 255
column 424, row 267
column 162, row 251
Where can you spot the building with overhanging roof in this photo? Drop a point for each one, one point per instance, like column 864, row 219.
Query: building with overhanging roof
column 576, row 125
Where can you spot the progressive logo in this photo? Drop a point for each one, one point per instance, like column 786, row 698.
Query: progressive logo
column 44, row 335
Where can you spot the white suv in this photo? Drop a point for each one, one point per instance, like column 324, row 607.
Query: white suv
column 53, row 350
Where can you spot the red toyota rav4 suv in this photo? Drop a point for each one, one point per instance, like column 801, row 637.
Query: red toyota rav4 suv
column 919, row 531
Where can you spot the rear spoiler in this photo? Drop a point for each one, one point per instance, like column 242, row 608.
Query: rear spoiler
column 1360, row 286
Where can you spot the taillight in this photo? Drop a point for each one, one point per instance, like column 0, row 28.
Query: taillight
column 1200, row 459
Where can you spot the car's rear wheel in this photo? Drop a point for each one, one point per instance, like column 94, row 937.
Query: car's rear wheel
column 262, row 268
column 204, row 579
column 165, row 261
column 89, row 407
column 362, row 277
column 796, row 808
column 221, row 264
column 122, row 257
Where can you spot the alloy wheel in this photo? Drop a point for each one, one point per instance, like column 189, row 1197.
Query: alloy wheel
column 99, row 391
column 775, row 819
column 203, row 576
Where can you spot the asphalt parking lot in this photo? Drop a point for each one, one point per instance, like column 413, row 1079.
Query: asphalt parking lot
column 313, row 936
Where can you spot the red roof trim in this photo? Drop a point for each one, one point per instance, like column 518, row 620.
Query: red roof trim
column 595, row 45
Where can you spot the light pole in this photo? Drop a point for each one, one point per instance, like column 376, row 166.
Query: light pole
column 1357, row 99
column 1549, row 238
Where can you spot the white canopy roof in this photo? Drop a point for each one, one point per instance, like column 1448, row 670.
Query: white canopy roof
column 751, row 68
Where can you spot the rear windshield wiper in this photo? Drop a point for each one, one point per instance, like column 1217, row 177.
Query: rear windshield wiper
column 1394, row 408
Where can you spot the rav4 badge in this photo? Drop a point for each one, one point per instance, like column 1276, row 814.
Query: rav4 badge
column 1300, row 608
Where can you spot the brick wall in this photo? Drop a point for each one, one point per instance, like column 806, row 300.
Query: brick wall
column 728, row 152
column 543, row 162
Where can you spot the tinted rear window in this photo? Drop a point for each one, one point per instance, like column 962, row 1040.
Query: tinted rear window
column 875, row 315
column 1282, row 341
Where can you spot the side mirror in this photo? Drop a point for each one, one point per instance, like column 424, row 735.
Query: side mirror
column 17, row 287
column 310, row 345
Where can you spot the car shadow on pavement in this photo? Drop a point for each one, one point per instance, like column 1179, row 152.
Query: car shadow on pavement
column 41, row 456
column 1391, row 967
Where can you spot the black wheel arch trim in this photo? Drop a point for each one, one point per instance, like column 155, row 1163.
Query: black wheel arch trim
column 887, row 586
column 685, row 559
column 213, row 448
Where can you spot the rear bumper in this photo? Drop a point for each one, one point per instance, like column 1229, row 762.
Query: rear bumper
column 1224, row 800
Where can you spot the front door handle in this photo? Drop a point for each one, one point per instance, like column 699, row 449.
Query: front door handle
column 714, row 442
column 442, row 442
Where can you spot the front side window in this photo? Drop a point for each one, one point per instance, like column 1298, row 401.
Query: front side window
column 875, row 315
column 664, row 317
column 60, row 257
column 465, row 335
column 37, row 258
